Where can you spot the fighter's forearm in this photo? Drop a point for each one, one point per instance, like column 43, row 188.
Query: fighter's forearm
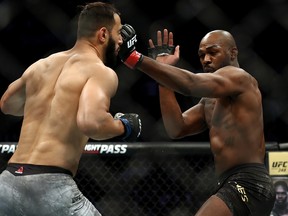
column 167, row 75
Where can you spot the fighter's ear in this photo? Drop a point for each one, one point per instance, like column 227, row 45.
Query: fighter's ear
column 234, row 53
column 103, row 34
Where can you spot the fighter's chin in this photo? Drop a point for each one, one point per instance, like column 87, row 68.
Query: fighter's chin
column 208, row 70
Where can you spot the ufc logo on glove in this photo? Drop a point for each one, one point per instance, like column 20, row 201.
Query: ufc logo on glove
column 131, row 42
column 127, row 52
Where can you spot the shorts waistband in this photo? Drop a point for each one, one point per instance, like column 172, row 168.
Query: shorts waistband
column 19, row 169
column 250, row 167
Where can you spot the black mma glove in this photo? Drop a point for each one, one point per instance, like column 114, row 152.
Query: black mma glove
column 160, row 51
column 132, row 125
column 128, row 54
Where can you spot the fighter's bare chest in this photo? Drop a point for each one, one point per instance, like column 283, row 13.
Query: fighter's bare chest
column 216, row 111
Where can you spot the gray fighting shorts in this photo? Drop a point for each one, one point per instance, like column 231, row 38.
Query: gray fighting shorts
column 42, row 194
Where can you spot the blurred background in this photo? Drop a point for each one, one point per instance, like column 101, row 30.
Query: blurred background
column 152, row 179
column 33, row 29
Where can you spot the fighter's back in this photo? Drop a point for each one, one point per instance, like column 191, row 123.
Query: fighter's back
column 50, row 133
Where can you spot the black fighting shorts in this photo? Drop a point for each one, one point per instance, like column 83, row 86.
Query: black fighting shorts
column 247, row 190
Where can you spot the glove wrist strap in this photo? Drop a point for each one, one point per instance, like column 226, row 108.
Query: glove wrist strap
column 134, row 59
column 127, row 128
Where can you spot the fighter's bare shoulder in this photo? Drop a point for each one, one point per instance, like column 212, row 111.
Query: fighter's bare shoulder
column 234, row 73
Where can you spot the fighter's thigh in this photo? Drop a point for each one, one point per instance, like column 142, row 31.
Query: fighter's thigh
column 214, row 206
column 7, row 194
column 84, row 207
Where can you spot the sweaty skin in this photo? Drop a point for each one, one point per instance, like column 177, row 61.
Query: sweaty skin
column 54, row 133
column 230, row 105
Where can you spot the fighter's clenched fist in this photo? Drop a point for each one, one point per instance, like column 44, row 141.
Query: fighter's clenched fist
column 132, row 125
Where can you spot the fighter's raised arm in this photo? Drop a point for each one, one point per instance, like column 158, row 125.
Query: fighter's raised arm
column 230, row 107
column 177, row 124
column 185, row 82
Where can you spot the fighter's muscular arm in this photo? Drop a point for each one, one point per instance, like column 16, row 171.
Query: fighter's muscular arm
column 93, row 116
column 226, row 81
column 13, row 99
column 178, row 124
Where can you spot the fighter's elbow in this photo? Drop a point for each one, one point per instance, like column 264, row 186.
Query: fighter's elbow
column 174, row 134
column 87, row 127
column 2, row 106
column 10, row 107
column 5, row 109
